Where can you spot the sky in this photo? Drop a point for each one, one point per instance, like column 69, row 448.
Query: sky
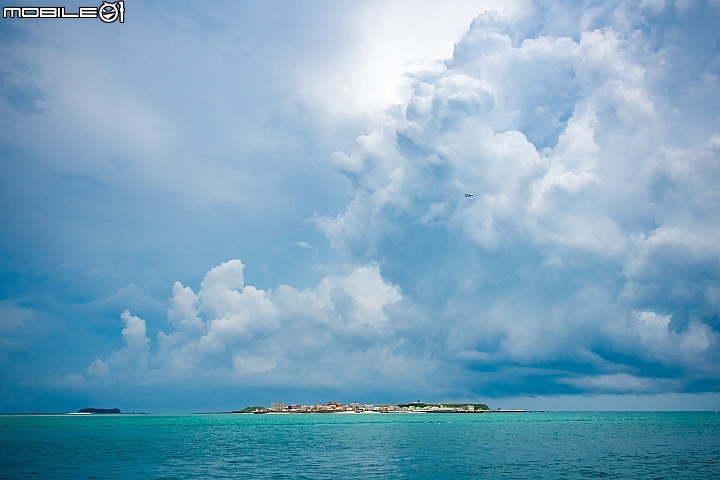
column 211, row 206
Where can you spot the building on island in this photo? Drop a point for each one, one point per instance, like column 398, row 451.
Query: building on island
column 276, row 407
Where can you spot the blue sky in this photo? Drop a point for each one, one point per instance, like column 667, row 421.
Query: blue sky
column 208, row 207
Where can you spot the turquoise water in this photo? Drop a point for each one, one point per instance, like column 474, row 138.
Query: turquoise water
column 494, row 446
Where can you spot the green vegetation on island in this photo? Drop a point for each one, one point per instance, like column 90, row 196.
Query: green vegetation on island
column 256, row 409
column 99, row 410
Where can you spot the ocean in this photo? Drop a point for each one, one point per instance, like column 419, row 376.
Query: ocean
column 550, row 445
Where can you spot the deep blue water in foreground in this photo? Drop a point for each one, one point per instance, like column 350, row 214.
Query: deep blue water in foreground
column 525, row 445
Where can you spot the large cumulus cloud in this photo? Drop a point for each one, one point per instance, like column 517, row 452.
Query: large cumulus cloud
column 585, row 260
column 232, row 333
column 587, row 257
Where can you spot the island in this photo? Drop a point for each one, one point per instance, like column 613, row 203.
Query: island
column 354, row 407
column 89, row 411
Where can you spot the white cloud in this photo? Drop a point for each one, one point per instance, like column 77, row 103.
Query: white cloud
column 183, row 315
column 132, row 360
column 655, row 340
column 98, row 369
column 585, row 259
column 250, row 365
column 468, row 130
column 583, row 214
column 385, row 40
column 340, row 324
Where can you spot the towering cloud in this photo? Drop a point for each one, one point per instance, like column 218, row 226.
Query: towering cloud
column 585, row 260
column 232, row 332
column 588, row 251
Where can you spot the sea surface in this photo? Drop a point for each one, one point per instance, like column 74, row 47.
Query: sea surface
column 547, row 445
